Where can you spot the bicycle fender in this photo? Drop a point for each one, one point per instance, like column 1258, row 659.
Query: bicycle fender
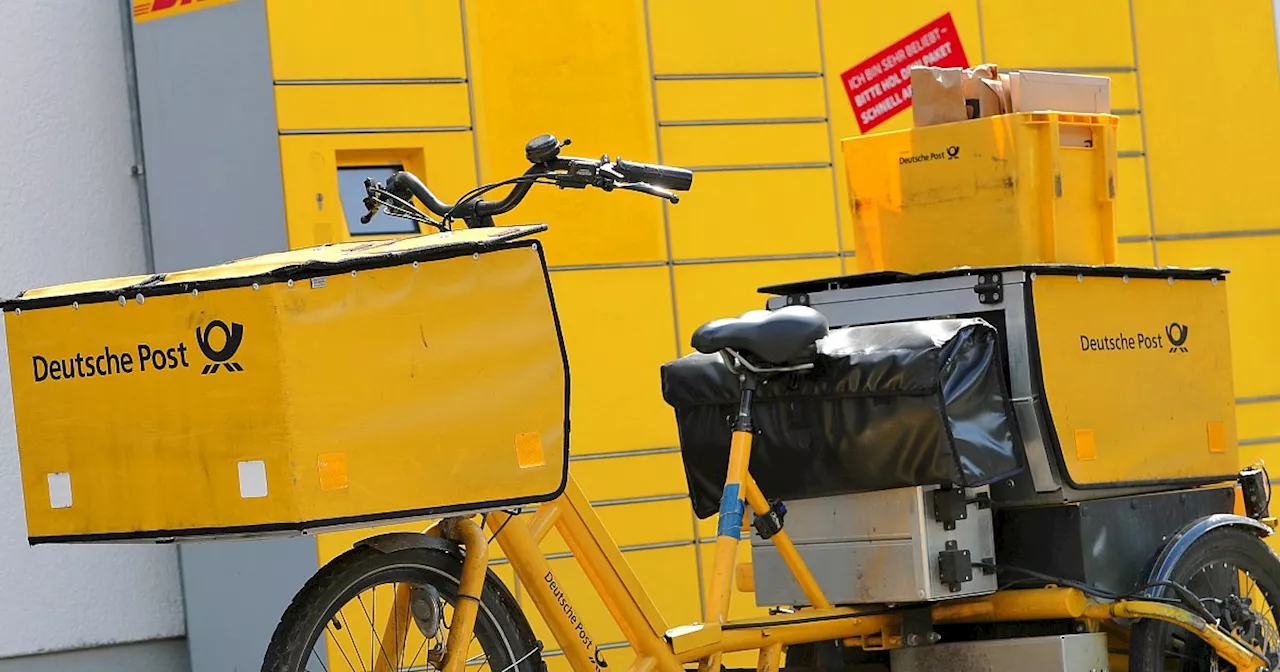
column 1189, row 535
column 391, row 542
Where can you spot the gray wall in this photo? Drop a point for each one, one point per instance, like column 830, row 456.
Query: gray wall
column 70, row 212
column 162, row 655
column 209, row 136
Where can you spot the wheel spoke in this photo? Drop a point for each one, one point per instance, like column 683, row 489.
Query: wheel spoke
column 323, row 667
column 376, row 643
column 347, row 626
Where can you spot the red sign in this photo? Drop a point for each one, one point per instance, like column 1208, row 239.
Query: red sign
column 146, row 10
column 880, row 86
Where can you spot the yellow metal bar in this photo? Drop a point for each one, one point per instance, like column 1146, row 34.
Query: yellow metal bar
column 615, row 583
column 582, row 529
column 770, row 656
column 643, row 664
column 764, row 632
column 535, row 574
column 466, row 532
column 782, row 541
column 1014, row 605
column 1239, row 655
column 728, row 535
column 396, row 629
column 545, row 519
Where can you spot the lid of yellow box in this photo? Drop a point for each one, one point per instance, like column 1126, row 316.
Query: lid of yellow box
column 892, row 277
column 280, row 266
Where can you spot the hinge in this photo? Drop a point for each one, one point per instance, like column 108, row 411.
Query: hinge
column 955, row 567
column 990, row 288
column 950, row 505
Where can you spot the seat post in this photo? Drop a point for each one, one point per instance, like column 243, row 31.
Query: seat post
column 732, row 508
column 745, row 401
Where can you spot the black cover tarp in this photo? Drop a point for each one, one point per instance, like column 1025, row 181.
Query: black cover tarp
column 886, row 406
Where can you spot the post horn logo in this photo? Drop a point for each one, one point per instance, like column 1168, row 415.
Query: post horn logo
column 953, row 152
column 1177, row 334
column 221, row 357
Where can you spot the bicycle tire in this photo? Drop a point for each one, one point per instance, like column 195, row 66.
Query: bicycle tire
column 501, row 628
column 1245, row 552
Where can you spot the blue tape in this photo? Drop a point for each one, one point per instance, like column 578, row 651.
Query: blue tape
column 731, row 510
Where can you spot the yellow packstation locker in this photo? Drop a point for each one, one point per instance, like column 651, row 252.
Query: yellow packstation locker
column 329, row 386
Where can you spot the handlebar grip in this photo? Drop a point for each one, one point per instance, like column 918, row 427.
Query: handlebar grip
column 675, row 179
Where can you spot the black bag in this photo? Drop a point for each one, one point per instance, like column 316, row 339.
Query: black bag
column 886, row 406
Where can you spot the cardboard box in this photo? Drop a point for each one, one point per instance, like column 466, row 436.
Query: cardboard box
column 947, row 95
column 1034, row 91
column 937, row 95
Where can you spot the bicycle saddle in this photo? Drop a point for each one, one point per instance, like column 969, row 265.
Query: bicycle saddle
column 779, row 337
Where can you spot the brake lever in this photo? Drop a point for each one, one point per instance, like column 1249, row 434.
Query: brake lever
column 646, row 188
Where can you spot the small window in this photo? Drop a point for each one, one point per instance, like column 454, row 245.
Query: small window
column 351, row 192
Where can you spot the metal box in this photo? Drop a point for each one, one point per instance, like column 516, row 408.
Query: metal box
column 1085, row 652
column 1120, row 377
column 1105, row 543
column 891, row 546
column 296, row 391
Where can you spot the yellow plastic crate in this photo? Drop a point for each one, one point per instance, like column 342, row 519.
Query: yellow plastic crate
column 1024, row 188
column 324, row 387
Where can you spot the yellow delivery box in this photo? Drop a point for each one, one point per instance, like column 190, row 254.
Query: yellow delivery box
column 317, row 388
column 1036, row 187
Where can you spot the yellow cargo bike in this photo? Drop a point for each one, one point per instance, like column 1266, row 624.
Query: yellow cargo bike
column 1029, row 464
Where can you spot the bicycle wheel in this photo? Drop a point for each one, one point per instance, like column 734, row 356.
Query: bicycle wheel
column 345, row 616
column 1237, row 578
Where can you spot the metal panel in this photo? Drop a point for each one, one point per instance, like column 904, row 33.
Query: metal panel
column 873, row 547
column 1055, row 653
column 209, row 135
column 1107, row 543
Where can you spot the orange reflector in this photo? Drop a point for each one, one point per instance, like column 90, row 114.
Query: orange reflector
column 1086, row 449
column 529, row 451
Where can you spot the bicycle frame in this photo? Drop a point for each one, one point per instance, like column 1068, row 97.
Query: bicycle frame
column 659, row 647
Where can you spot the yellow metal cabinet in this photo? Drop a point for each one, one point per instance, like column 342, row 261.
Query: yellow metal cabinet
column 344, row 40
column 618, row 328
column 705, row 292
column 645, row 475
column 1137, row 253
column 746, row 145
column 723, row 36
column 1133, row 209
column 699, row 100
column 367, row 107
column 1032, row 35
column 444, row 160
column 1212, row 169
column 744, row 213
column 1259, row 420
column 595, row 89
column 665, row 521
column 1254, row 304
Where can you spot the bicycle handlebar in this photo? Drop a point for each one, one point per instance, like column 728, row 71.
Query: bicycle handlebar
column 548, row 168
column 665, row 177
